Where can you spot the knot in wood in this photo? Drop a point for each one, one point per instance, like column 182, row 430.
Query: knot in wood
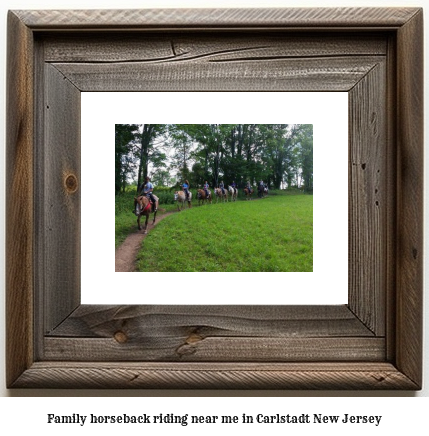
column 120, row 337
column 193, row 337
column 71, row 183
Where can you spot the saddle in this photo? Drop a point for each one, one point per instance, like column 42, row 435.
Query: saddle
column 150, row 205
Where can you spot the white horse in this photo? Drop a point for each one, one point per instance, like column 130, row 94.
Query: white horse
column 180, row 197
column 233, row 192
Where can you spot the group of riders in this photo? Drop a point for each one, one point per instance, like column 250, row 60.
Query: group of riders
column 261, row 187
column 147, row 189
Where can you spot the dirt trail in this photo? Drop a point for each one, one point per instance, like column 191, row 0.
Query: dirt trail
column 126, row 253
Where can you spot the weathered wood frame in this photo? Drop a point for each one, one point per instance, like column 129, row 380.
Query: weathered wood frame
column 374, row 342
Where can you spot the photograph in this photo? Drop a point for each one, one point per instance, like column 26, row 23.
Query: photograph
column 202, row 183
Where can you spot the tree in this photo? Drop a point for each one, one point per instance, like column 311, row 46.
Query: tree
column 162, row 177
column 304, row 142
column 182, row 145
column 125, row 137
column 276, row 153
column 146, row 151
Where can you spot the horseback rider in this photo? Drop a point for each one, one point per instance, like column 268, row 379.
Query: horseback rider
column 222, row 187
column 186, row 187
column 148, row 192
column 234, row 187
column 261, row 188
column 206, row 189
column 249, row 188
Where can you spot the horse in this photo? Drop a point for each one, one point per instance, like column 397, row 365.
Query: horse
column 143, row 207
column 201, row 195
column 262, row 191
column 180, row 197
column 220, row 195
column 248, row 193
column 233, row 192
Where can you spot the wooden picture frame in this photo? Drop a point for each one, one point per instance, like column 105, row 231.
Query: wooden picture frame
column 373, row 342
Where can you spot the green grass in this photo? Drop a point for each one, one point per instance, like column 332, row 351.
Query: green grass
column 273, row 234
column 124, row 219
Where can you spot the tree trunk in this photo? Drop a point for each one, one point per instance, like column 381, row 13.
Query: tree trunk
column 144, row 154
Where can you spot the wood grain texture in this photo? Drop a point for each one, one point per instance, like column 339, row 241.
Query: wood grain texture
column 61, row 206
column 110, row 375
column 410, row 199
column 391, row 193
column 19, row 200
column 368, row 202
column 178, row 47
column 213, row 333
column 189, row 347
column 99, row 321
column 302, row 74
column 208, row 18
column 193, row 348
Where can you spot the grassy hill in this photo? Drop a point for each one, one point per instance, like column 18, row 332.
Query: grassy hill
column 272, row 234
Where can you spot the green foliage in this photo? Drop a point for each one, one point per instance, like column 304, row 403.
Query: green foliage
column 125, row 137
column 274, row 234
column 125, row 221
column 304, row 141
column 278, row 154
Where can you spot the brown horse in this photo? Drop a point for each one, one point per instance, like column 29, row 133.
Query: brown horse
column 180, row 197
column 202, row 196
column 219, row 195
column 248, row 193
column 143, row 207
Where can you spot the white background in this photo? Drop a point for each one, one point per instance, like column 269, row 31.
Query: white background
column 327, row 284
column 20, row 414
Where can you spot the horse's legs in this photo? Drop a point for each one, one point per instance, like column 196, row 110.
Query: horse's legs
column 138, row 223
column 154, row 215
column 145, row 224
